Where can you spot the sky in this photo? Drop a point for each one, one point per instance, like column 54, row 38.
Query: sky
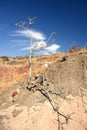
column 68, row 18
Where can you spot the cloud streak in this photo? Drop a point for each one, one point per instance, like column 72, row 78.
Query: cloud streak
column 36, row 46
column 40, row 45
column 36, row 35
column 20, row 41
column 52, row 49
column 25, row 49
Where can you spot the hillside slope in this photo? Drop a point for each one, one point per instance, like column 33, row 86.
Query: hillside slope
column 54, row 100
column 17, row 69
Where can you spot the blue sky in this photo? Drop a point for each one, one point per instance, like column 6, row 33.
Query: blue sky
column 68, row 18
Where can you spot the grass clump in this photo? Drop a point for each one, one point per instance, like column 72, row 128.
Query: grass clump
column 5, row 58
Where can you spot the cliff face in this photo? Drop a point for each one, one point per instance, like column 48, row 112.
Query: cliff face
column 55, row 100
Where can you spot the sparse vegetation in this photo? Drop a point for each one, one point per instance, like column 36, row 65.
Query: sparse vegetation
column 5, row 58
column 13, row 62
column 74, row 49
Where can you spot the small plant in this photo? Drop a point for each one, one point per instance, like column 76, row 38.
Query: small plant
column 5, row 58
column 73, row 49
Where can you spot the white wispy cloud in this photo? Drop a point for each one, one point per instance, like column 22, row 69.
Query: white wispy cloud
column 20, row 41
column 52, row 49
column 36, row 46
column 30, row 33
column 25, row 49
column 40, row 44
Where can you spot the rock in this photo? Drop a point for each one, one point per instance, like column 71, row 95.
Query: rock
column 41, row 116
column 70, row 75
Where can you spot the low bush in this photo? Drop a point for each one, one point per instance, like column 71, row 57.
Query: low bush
column 5, row 58
column 73, row 49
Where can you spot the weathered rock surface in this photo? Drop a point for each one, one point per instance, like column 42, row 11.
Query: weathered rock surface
column 69, row 75
column 55, row 100
column 41, row 116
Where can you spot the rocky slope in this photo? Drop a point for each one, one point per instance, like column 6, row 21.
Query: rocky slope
column 54, row 100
